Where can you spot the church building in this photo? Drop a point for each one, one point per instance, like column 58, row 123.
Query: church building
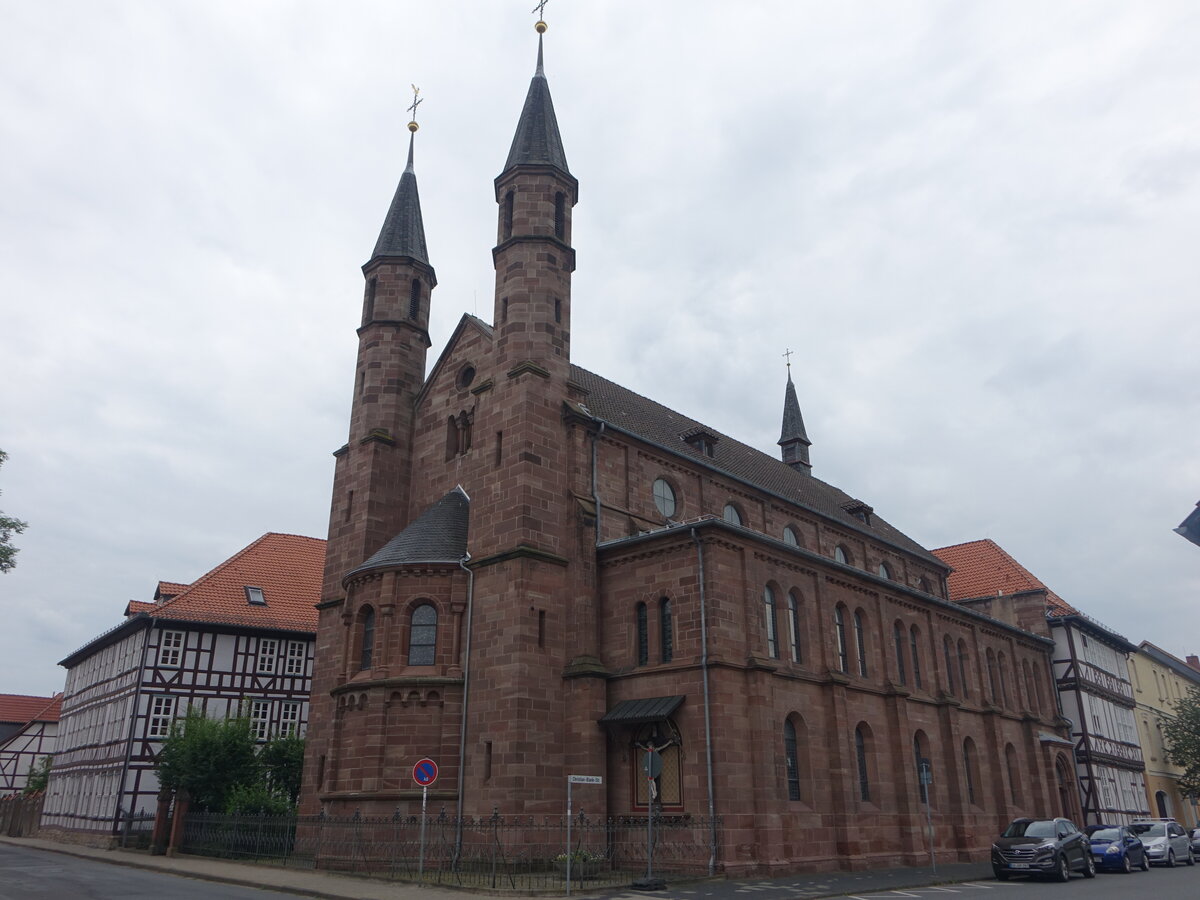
column 533, row 571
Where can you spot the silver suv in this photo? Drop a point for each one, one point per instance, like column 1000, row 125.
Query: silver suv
column 1166, row 841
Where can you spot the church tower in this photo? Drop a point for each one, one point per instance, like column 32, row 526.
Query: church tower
column 373, row 470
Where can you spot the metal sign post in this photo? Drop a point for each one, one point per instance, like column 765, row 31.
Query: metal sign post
column 653, row 768
column 575, row 779
column 926, row 770
column 424, row 773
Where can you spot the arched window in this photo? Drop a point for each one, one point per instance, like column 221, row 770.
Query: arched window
column 367, row 646
column 924, row 585
column 1062, row 775
column 665, row 634
column 948, row 653
column 369, row 305
column 791, row 760
column 885, row 571
column 921, row 752
column 664, row 497
column 769, row 616
column 860, row 643
column 962, row 668
column 1003, row 680
column 507, row 223
column 970, row 770
column 793, row 603
column 1014, row 785
column 991, row 673
column 560, row 215
column 731, row 515
column 864, row 776
column 1029, row 694
column 839, row 633
column 898, row 640
column 840, row 555
column 422, row 636
column 1163, row 804
column 643, row 636
column 414, row 299
column 1037, row 685
column 914, row 642
column 790, row 537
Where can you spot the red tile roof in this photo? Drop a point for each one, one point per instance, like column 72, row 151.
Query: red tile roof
column 24, row 708
column 170, row 589
column 137, row 606
column 287, row 567
column 984, row 569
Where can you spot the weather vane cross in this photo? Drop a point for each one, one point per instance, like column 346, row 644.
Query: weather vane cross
column 540, row 9
column 788, row 356
column 417, row 101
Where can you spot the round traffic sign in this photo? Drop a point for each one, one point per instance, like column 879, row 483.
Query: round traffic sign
column 653, row 764
column 425, row 772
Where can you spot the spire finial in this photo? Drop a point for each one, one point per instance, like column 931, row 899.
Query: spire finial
column 788, row 356
column 417, row 101
column 541, row 26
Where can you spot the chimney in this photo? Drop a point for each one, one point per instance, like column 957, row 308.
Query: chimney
column 1194, row 661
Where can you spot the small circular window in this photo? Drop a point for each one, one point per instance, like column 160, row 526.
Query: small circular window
column 731, row 514
column 790, row 537
column 465, row 376
column 664, row 497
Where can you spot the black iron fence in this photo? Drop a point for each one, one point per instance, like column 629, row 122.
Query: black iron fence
column 494, row 852
column 135, row 830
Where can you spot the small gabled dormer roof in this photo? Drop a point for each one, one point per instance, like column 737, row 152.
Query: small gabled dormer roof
column 403, row 232
column 537, row 141
column 438, row 535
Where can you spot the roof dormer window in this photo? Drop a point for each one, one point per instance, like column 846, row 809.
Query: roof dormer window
column 702, row 441
column 859, row 510
column 254, row 596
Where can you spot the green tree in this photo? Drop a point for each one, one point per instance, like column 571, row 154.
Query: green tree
column 1181, row 734
column 8, row 527
column 39, row 775
column 210, row 758
column 283, row 760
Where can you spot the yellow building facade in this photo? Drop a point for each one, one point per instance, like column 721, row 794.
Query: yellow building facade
column 1160, row 680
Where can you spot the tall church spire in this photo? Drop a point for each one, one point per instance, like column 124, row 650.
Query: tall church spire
column 403, row 232
column 793, row 439
column 537, row 141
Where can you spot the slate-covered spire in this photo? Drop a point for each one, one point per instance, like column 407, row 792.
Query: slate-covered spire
column 403, row 232
column 537, row 141
column 793, row 439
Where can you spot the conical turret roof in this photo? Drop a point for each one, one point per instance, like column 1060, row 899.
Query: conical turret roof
column 793, row 421
column 438, row 535
column 403, row 232
column 537, row 141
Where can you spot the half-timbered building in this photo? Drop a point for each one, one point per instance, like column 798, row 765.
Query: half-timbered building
column 238, row 639
column 533, row 571
column 1091, row 674
column 28, row 734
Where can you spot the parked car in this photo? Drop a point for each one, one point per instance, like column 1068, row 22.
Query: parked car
column 1053, row 848
column 1196, row 842
column 1116, row 847
column 1166, row 841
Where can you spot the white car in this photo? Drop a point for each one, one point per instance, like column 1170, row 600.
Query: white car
column 1166, row 841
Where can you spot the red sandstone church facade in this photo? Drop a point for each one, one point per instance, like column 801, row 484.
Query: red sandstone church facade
column 532, row 572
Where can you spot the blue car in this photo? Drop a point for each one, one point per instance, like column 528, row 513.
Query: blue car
column 1117, row 848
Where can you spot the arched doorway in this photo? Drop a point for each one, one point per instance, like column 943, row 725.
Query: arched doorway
column 1063, row 777
column 1163, row 804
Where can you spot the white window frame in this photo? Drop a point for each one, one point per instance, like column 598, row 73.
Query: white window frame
column 260, row 719
column 268, row 656
column 170, row 649
column 297, row 656
column 162, row 714
column 289, row 718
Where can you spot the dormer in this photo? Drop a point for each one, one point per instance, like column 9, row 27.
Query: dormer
column 701, row 440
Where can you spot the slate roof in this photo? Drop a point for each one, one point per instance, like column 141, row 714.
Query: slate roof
column 403, row 232
column 537, row 140
column 660, row 425
column 24, row 708
column 287, row 567
column 793, row 421
column 983, row 569
column 438, row 535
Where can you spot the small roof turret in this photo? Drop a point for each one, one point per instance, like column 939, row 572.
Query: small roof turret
column 794, row 439
column 537, row 141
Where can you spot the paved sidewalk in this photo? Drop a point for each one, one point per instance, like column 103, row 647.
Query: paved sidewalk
column 311, row 883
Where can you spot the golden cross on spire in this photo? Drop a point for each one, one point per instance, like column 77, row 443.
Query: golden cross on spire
column 788, row 355
column 540, row 9
column 417, row 101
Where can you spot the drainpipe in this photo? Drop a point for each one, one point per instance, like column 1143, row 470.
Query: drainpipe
column 462, row 733
column 708, row 746
column 595, row 484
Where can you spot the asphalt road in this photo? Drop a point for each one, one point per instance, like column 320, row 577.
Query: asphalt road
column 38, row 875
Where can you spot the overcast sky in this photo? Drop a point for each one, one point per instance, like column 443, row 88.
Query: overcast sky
column 976, row 224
